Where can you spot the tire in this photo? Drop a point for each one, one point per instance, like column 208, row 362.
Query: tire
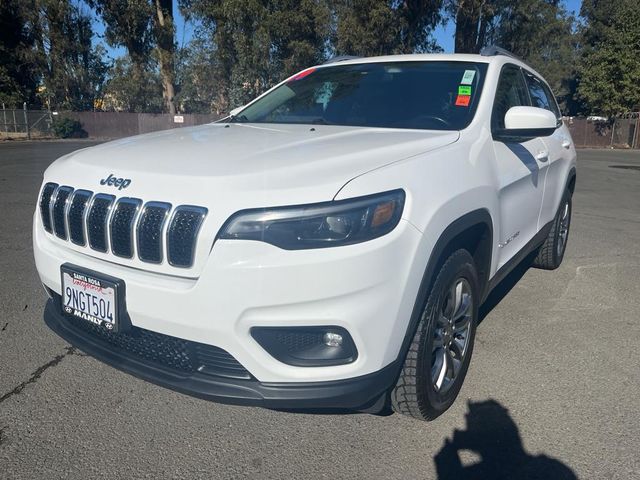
column 552, row 251
column 424, row 390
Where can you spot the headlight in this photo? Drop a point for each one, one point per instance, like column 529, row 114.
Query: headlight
column 319, row 225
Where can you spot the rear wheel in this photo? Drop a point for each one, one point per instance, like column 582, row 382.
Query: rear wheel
column 551, row 252
column 439, row 355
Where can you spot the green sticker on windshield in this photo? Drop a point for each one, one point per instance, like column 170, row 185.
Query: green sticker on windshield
column 467, row 78
column 464, row 90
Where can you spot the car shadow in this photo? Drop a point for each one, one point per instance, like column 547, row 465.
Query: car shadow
column 491, row 448
column 505, row 286
column 527, row 159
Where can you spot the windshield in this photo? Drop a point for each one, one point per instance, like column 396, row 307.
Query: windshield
column 434, row 95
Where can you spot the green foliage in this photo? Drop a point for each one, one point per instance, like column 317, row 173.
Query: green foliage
column 374, row 27
column 68, row 128
column 18, row 69
column 609, row 70
column 132, row 89
column 259, row 42
column 73, row 71
column 197, row 76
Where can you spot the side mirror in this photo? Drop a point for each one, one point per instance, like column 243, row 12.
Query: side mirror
column 235, row 111
column 528, row 122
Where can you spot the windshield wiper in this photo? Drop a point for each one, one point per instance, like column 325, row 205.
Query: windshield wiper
column 238, row 119
column 319, row 121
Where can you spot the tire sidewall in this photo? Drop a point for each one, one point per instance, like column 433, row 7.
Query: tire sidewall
column 558, row 257
column 462, row 267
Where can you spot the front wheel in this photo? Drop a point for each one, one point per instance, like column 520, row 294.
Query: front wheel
column 439, row 355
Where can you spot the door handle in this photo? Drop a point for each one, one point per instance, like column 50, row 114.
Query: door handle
column 542, row 156
column 566, row 143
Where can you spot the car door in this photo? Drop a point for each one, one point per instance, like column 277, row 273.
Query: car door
column 557, row 145
column 520, row 167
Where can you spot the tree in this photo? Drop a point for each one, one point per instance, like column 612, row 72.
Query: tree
column 130, row 89
column 142, row 26
column 164, row 33
column 259, row 42
column 18, row 54
column 73, row 71
column 474, row 23
column 197, row 75
column 374, row 27
column 610, row 63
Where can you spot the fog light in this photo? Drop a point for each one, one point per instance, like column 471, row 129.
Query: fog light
column 313, row 346
column 331, row 339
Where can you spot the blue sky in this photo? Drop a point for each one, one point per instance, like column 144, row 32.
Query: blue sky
column 184, row 31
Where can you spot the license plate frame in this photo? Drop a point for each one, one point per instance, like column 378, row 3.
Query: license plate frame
column 88, row 282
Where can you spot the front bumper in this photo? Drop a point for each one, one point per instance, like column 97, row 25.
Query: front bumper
column 361, row 393
column 368, row 289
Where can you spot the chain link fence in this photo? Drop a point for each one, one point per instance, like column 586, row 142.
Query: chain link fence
column 25, row 124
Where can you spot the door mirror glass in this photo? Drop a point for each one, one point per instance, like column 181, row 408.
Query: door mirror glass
column 528, row 122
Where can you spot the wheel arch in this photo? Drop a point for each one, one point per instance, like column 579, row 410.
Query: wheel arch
column 472, row 231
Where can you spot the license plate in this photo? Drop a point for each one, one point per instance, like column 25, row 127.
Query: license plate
column 91, row 297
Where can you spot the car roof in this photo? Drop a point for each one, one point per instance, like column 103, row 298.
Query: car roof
column 497, row 58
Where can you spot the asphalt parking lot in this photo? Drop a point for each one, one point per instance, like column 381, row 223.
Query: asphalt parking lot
column 553, row 390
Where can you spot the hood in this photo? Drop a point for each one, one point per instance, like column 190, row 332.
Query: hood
column 231, row 167
column 265, row 165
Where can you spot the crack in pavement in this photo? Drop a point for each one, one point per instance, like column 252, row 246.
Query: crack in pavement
column 39, row 371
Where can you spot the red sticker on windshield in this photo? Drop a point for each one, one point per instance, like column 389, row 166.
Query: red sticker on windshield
column 302, row 74
column 463, row 100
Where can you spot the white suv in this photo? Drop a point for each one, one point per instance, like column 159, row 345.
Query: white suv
column 326, row 246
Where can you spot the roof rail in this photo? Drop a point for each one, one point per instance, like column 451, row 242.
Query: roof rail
column 493, row 50
column 340, row 58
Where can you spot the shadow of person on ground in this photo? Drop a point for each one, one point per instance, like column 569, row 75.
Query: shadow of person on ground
column 491, row 449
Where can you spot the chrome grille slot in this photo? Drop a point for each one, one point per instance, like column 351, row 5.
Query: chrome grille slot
column 97, row 221
column 182, row 234
column 59, row 210
column 75, row 216
column 149, row 230
column 45, row 203
column 121, row 226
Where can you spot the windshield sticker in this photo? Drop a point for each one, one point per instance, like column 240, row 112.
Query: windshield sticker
column 467, row 78
column 463, row 100
column 464, row 90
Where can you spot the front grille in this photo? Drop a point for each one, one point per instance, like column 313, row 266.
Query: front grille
column 158, row 349
column 150, row 228
column 45, row 204
column 59, row 211
column 124, row 226
column 182, row 234
column 97, row 221
column 75, row 217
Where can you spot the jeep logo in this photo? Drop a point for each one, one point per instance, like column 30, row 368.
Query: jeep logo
column 116, row 182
